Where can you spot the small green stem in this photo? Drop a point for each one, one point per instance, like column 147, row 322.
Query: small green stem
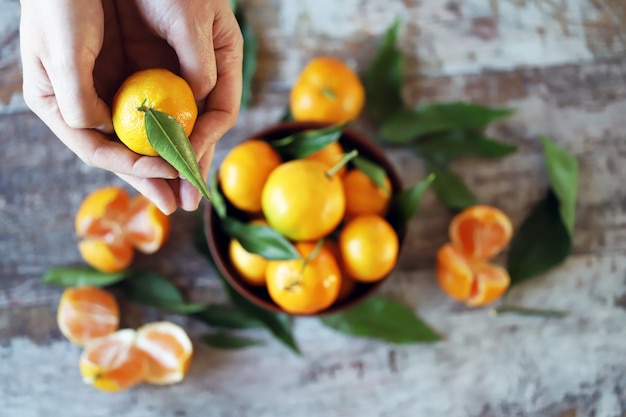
column 296, row 280
column 326, row 91
column 347, row 157
column 504, row 309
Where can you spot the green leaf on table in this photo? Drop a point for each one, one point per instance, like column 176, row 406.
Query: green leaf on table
column 380, row 318
column 383, row 79
column 154, row 290
column 562, row 169
column 541, row 242
column 222, row 340
column 250, row 48
column 261, row 240
column 302, row 144
column 168, row 138
column 450, row 189
column 227, row 317
column 375, row 172
column 409, row 125
column 217, row 202
column 79, row 276
column 446, row 146
column 406, row 204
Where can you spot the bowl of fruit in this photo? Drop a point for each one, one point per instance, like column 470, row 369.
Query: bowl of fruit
column 302, row 218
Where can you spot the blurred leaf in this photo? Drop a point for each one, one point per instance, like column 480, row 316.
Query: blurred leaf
column 82, row 276
column 563, row 173
column 405, row 205
column 223, row 340
column 450, row 189
column 261, row 240
column 233, row 5
column 541, row 242
column 375, row 172
column 446, row 146
column 168, row 138
column 379, row 318
column 287, row 116
column 305, row 143
column 227, row 317
column 218, row 202
column 383, row 79
column 409, row 125
column 250, row 48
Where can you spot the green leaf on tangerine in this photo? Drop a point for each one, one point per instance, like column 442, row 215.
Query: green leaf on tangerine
column 261, row 240
column 375, row 172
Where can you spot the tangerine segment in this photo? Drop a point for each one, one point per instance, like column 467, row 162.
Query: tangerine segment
column 158, row 89
column 477, row 283
column 327, row 90
column 307, row 285
column 87, row 313
column 113, row 363
column 168, row 350
column 363, row 196
column 369, row 248
column 101, row 211
column 330, row 155
column 300, row 201
column 146, row 227
column 481, row 231
column 244, row 171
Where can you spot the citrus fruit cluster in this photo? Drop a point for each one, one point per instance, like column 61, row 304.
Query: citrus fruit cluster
column 464, row 271
column 111, row 225
column 332, row 213
column 116, row 359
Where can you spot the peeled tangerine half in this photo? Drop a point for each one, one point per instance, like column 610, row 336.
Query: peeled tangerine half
column 476, row 283
column 111, row 225
column 481, row 231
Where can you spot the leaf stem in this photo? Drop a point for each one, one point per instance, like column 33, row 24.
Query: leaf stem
column 347, row 157
column 296, row 280
column 328, row 92
column 524, row 311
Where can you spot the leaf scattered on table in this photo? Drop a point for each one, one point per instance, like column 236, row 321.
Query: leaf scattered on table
column 446, row 146
column 409, row 125
column 450, row 189
column 380, row 318
column 302, row 144
column 222, row 340
column 383, row 79
column 406, row 204
column 250, row 49
column 374, row 172
column 168, row 138
column 261, row 240
column 78, row 276
column 227, row 317
column 217, row 202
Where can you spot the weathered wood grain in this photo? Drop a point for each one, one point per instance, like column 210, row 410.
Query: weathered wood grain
column 560, row 63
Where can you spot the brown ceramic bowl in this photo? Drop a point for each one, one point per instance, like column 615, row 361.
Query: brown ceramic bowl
column 218, row 240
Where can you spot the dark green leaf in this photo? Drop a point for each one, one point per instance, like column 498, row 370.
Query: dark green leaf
column 218, row 202
column 410, row 125
column 383, row 79
column 525, row 311
column 450, row 189
column 287, row 116
column 305, row 143
column 375, row 172
column 379, row 318
column 81, row 276
column 168, row 138
column 446, row 146
column 563, row 173
column 406, row 203
column 227, row 317
column 233, row 5
column 223, row 340
column 261, row 240
column 151, row 289
column 541, row 242
column 250, row 48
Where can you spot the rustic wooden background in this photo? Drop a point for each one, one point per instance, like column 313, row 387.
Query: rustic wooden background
column 561, row 63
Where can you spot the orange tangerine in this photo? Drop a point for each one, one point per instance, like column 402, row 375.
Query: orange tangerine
column 330, row 155
column 363, row 196
column 87, row 313
column 250, row 266
column 481, row 231
column 168, row 350
column 111, row 225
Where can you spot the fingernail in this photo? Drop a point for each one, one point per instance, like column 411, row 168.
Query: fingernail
column 190, row 203
column 106, row 128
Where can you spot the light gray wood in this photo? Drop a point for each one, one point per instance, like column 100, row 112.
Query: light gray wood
column 560, row 64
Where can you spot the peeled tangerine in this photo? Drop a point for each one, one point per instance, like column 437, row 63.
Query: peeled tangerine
column 111, row 225
column 157, row 353
column 474, row 282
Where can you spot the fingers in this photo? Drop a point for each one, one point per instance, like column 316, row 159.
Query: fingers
column 159, row 191
column 190, row 197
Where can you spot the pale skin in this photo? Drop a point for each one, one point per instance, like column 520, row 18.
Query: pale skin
column 76, row 53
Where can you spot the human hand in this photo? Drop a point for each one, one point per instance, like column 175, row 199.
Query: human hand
column 76, row 53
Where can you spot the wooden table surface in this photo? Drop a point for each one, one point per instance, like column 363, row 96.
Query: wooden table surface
column 560, row 63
